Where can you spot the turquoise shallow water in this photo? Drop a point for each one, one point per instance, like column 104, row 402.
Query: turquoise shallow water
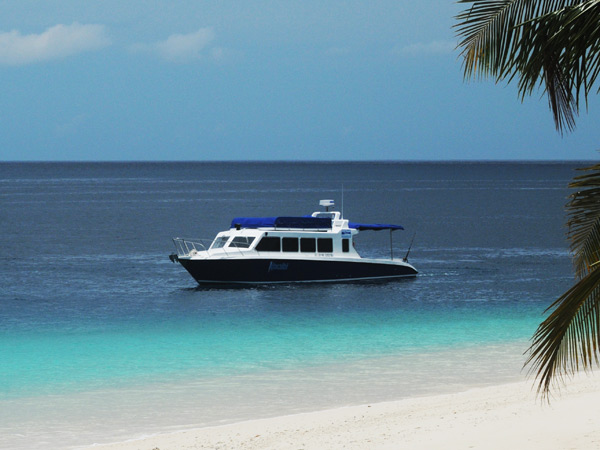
column 102, row 338
column 57, row 361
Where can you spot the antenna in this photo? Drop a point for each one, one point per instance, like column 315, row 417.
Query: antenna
column 342, row 200
column 405, row 259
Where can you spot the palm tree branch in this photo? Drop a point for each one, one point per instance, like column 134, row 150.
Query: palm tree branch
column 552, row 43
column 568, row 338
column 492, row 30
column 584, row 220
column 559, row 50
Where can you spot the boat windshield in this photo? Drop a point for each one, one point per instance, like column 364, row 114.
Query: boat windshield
column 219, row 242
column 241, row 241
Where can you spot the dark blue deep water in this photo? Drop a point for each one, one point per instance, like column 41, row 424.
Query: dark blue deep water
column 94, row 316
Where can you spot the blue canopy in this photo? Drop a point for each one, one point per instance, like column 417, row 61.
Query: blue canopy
column 374, row 226
column 306, row 222
column 282, row 222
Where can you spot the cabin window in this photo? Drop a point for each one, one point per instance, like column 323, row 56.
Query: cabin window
column 241, row 241
column 308, row 245
column 269, row 244
column 289, row 244
column 220, row 242
column 325, row 245
column 345, row 245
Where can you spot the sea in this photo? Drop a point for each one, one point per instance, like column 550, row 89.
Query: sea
column 104, row 339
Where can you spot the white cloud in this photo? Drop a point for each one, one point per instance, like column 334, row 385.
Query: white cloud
column 56, row 42
column 182, row 48
column 435, row 47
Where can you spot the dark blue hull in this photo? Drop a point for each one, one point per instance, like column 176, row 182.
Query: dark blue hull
column 264, row 271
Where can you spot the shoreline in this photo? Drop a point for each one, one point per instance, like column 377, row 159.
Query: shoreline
column 499, row 417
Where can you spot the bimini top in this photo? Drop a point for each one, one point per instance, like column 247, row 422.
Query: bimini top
column 312, row 223
column 306, row 223
column 374, row 226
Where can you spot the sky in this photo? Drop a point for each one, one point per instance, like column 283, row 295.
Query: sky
column 259, row 80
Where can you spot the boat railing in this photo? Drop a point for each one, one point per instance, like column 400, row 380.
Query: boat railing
column 185, row 247
column 190, row 247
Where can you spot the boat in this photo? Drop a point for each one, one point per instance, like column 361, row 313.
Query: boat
column 305, row 249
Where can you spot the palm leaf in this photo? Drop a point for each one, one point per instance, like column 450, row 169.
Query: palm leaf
column 584, row 220
column 552, row 43
column 492, row 31
column 557, row 51
column 569, row 338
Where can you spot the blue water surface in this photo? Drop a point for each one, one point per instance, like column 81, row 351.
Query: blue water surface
column 90, row 300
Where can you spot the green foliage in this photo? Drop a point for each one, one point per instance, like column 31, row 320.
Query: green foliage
column 569, row 337
column 552, row 43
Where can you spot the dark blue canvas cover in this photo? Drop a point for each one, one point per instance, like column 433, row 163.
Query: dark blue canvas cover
column 306, row 222
column 374, row 226
column 282, row 222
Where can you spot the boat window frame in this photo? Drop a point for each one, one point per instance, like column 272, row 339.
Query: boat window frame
column 285, row 245
column 241, row 242
column 346, row 245
column 267, row 239
column 308, row 245
column 324, row 245
column 219, row 242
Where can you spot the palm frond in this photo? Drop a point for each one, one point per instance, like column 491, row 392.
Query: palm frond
column 568, row 338
column 491, row 31
column 557, row 51
column 584, row 220
column 552, row 43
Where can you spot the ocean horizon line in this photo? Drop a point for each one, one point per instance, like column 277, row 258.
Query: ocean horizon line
column 313, row 161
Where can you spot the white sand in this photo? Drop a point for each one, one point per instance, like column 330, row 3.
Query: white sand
column 500, row 417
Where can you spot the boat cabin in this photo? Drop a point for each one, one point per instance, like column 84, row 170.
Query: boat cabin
column 322, row 234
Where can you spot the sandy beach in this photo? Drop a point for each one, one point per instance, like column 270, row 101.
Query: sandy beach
column 498, row 417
